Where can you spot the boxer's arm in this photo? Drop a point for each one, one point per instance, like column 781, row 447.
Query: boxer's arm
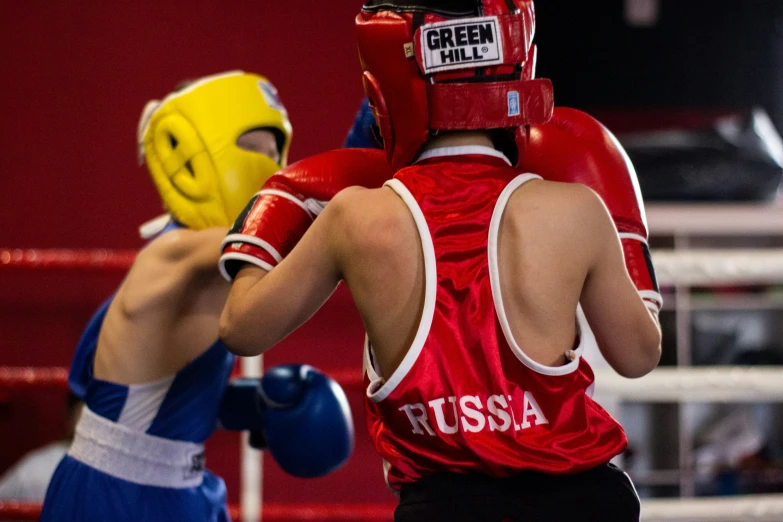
column 166, row 268
column 575, row 148
column 264, row 307
column 275, row 220
column 627, row 332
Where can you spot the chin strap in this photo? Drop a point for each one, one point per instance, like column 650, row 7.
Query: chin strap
column 155, row 226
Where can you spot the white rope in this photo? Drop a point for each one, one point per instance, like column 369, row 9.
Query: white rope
column 251, row 478
column 702, row 384
column 711, row 267
column 752, row 508
column 715, row 219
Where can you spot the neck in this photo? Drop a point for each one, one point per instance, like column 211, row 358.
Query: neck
column 458, row 139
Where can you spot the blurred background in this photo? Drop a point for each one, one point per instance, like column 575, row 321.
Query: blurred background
column 692, row 88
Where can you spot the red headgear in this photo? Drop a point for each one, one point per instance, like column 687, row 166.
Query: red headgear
column 450, row 65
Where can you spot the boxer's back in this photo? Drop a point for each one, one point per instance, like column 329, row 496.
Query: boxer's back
column 546, row 245
column 468, row 276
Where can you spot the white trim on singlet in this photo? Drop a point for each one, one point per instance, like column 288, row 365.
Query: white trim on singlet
column 464, row 150
column 386, row 468
column 380, row 388
column 585, row 334
column 143, row 403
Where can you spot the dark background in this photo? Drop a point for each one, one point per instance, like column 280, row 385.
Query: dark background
column 700, row 54
column 75, row 77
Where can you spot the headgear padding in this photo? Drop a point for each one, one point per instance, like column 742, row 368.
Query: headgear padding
column 189, row 142
column 450, row 65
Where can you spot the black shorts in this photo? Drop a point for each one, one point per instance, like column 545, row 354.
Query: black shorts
column 602, row 494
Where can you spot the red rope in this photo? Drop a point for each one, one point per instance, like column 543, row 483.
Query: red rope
column 327, row 512
column 14, row 378
column 67, row 259
column 11, row 510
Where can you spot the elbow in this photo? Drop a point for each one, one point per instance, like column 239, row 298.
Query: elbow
column 231, row 334
column 227, row 332
column 642, row 366
column 648, row 355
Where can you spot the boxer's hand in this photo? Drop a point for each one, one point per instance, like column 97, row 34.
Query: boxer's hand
column 241, row 408
column 276, row 219
column 295, row 412
column 575, row 148
column 308, row 428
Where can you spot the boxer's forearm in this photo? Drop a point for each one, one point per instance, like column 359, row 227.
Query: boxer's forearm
column 264, row 307
column 239, row 331
column 626, row 330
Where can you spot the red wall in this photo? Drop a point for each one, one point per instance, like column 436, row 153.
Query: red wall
column 75, row 77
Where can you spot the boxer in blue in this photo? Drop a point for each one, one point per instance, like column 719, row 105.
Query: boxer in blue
column 364, row 134
column 149, row 367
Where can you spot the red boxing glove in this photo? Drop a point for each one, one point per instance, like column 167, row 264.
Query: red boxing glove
column 574, row 147
column 277, row 217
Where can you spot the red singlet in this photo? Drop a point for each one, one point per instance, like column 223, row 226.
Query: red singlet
column 466, row 398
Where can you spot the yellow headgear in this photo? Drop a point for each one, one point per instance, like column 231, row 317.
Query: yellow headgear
column 188, row 141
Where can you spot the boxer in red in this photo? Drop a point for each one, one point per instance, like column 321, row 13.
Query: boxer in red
column 479, row 282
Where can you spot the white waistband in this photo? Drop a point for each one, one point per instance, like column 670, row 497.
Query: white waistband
column 134, row 456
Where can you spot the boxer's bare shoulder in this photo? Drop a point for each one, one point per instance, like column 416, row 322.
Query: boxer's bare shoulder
column 380, row 257
column 166, row 310
column 168, row 266
column 374, row 221
column 565, row 210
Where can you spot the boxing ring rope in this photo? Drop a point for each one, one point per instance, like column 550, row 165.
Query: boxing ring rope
column 67, row 259
column 680, row 267
column 10, row 510
column 14, row 378
column 734, row 384
column 755, row 508
column 731, row 384
column 702, row 384
column 723, row 267
column 750, row 508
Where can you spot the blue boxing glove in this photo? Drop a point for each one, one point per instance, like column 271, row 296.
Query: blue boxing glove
column 307, row 423
column 295, row 412
column 242, row 408
column 365, row 133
